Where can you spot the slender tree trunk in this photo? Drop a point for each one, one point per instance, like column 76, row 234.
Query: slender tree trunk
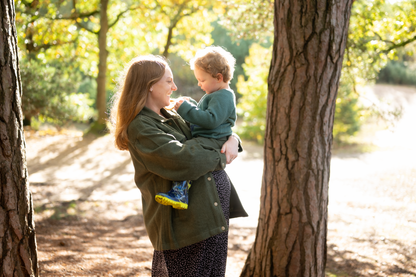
column 17, row 229
column 102, row 65
column 309, row 43
column 168, row 41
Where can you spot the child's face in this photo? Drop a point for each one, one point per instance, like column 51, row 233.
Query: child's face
column 206, row 82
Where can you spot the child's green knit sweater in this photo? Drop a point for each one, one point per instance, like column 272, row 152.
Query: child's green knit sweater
column 213, row 116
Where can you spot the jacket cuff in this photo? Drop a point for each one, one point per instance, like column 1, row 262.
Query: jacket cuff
column 240, row 145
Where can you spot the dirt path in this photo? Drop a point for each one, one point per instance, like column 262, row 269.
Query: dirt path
column 88, row 218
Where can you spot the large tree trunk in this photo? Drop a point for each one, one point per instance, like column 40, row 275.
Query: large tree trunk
column 17, row 229
column 309, row 43
column 102, row 64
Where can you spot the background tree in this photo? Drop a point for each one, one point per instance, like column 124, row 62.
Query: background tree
column 17, row 228
column 49, row 100
column 52, row 24
column 101, row 30
column 308, row 50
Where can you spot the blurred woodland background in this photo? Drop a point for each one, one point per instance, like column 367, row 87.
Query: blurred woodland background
column 72, row 53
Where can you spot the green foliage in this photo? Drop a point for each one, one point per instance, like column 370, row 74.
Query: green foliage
column 378, row 29
column 97, row 128
column 65, row 210
column 88, row 86
column 396, row 72
column 184, row 76
column 349, row 114
column 251, row 20
column 49, row 93
column 238, row 48
column 252, row 105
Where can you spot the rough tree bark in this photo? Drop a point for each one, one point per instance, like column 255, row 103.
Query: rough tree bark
column 309, row 43
column 17, row 229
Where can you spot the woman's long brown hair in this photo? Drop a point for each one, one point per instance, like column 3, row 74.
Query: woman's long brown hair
column 139, row 76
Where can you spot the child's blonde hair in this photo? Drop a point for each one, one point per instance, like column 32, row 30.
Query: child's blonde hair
column 214, row 60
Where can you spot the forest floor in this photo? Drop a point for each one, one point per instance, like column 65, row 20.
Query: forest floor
column 88, row 211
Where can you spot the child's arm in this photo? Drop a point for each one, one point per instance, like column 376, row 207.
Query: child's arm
column 220, row 107
column 180, row 100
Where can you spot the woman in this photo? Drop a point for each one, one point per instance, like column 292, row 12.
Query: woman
column 190, row 242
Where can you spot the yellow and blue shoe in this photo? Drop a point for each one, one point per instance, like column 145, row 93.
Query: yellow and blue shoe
column 177, row 197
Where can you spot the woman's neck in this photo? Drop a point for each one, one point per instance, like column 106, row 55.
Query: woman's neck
column 153, row 108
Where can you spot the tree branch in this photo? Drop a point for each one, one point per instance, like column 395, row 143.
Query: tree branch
column 398, row 45
column 173, row 24
column 160, row 6
column 86, row 28
column 77, row 15
column 120, row 15
column 380, row 38
column 50, row 45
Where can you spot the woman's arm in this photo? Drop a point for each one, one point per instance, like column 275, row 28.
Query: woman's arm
column 164, row 155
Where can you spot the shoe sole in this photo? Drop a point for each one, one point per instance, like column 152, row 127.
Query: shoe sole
column 168, row 202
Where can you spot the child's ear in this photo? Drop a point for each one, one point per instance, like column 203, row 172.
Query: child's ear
column 220, row 77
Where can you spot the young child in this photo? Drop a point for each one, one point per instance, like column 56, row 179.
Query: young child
column 215, row 114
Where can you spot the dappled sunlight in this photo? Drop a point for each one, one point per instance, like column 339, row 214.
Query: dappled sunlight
column 81, row 168
column 94, row 247
column 372, row 199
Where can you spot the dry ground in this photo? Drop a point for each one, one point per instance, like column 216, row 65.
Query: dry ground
column 88, row 213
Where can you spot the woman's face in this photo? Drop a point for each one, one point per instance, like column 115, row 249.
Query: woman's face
column 159, row 96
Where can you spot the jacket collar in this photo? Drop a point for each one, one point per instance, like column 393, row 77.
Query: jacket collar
column 168, row 114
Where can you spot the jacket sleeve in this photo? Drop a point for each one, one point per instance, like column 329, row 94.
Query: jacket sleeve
column 219, row 109
column 163, row 154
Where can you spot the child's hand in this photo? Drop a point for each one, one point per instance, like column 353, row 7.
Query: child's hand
column 171, row 105
column 178, row 103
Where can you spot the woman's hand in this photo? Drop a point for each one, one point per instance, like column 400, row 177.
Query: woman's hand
column 230, row 148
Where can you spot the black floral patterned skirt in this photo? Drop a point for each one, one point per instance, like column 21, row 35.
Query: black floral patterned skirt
column 205, row 258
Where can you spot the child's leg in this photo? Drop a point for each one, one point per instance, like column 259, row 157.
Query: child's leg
column 177, row 197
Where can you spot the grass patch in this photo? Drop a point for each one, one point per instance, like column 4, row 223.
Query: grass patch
column 59, row 211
